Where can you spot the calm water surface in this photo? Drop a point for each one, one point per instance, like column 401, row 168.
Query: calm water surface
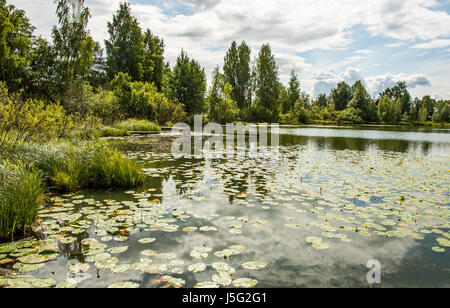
column 367, row 193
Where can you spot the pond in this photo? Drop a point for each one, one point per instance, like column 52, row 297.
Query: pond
column 333, row 200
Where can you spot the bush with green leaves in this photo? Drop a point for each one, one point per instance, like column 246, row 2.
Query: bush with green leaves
column 143, row 101
column 30, row 120
column 350, row 116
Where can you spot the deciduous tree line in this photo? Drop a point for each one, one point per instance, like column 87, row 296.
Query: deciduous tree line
column 130, row 78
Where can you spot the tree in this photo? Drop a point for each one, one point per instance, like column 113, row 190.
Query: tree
column 221, row 107
column 399, row 93
column 125, row 48
column 98, row 76
column 341, row 96
column 188, row 84
column 360, row 100
column 293, row 92
column 153, row 59
column 267, row 84
column 389, row 111
column 322, row 101
column 237, row 73
column 42, row 73
column 15, row 45
column 428, row 104
column 442, row 113
column 73, row 42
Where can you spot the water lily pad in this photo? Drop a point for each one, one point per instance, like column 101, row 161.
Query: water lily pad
column 190, row 229
column 254, row 265
column 36, row 258
column 149, row 253
column 124, row 285
column 79, row 268
column 69, row 283
column 245, row 283
column 222, row 278
column 118, row 250
column 146, row 240
column 120, row 268
column 207, row 285
column 197, row 267
column 26, row 268
column 43, row 283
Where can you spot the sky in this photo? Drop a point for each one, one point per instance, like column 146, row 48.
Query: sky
column 379, row 42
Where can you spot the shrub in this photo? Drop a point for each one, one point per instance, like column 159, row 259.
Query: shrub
column 30, row 120
column 105, row 106
column 350, row 116
column 142, row 100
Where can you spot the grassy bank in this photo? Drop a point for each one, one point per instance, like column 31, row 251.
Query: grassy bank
column 21, row 196
column 28, row 169
column 125, row 128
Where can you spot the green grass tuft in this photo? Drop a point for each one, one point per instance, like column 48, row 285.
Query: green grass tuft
column 138, row 125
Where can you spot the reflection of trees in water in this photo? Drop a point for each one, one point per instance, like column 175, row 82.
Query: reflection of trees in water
column 73, row 251
column 357, row 144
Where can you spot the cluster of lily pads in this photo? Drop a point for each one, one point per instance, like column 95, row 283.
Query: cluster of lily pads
column 330, row 197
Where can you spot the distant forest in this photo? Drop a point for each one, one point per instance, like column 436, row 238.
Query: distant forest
column 130, row 78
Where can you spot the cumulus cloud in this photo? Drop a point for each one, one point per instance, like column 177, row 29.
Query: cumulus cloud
column 325, row 81
column 433, row 44
column 205, row 28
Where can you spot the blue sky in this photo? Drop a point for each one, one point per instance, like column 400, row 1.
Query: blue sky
column 324, row 41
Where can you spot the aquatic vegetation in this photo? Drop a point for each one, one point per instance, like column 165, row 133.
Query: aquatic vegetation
column 67, row 167
column 177, row 227
column 21, row 196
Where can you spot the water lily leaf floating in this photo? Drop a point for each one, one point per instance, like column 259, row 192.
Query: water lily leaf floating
column 223, row 267
column 120, row 268
column 124, row 285
column 43, row 283
column 118, row 250
column 190, row 229
column 208, row 229
column 36, row 258
column 438, row 249
column 149, row 253
column 206, row 285
column 26, row 268
column 197, row 267
column 173, row 282
column 222, row 278
column 245, row 283
column 146, row 240
column 108, row 263
column 254, row 265
column 79, row 268
column 200, row 252
column 166, row 256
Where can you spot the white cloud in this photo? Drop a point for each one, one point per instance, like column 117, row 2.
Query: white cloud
column 290, row 26
column 325, row 81
column 433, row 44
